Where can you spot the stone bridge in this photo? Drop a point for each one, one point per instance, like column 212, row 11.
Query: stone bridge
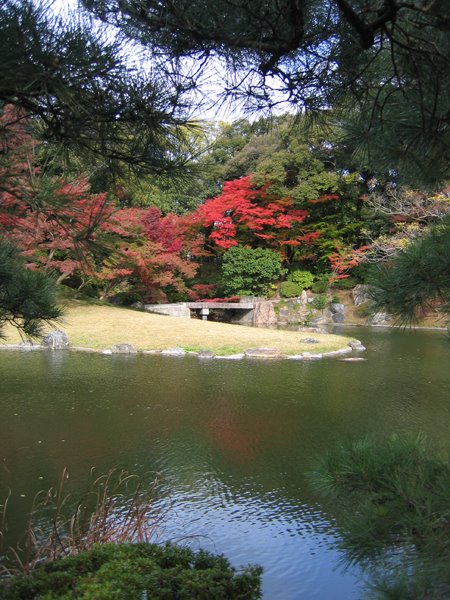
column 242, row 312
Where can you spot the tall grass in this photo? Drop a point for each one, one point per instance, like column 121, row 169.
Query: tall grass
column 117, row 509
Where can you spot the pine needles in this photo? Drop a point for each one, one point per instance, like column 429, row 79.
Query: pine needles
column 395, row 499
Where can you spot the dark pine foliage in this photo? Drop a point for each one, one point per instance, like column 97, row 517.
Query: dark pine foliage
column 130, row 571
column 27, row 298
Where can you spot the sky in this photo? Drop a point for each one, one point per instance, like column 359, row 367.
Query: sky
column 210, row 109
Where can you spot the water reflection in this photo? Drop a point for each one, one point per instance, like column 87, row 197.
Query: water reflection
column 232, row 440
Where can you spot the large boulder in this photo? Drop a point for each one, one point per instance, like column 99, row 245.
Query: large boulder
column 56, row 340
column 264, row 314
column 336, row 307
column 337, row 312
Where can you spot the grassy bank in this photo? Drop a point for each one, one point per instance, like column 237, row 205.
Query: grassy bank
column 99, row 326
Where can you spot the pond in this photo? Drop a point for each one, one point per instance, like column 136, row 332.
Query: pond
column 233, row 441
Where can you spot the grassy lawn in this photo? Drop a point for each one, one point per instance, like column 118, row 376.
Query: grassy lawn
column 99, row 326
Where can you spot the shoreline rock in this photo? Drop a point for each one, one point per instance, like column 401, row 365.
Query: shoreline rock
column 262, row 353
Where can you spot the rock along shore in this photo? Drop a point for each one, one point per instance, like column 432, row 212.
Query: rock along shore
column 57, row 342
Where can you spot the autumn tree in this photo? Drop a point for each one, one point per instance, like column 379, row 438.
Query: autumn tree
column 51, row 221
column 149, row 260
column 249, row 215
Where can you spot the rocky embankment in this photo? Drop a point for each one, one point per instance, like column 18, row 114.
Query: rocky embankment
column 346, row 307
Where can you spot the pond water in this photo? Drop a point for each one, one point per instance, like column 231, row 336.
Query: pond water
column 233, row 440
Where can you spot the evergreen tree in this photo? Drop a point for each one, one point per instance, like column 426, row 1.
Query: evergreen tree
column 81, row 93
column 27, row 298
column 417, row 276
column 385, row 63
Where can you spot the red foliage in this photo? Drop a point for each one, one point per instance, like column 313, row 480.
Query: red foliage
column 50, row 233
column 324, row 199
column 343, row 261
column 201, row 291
column 150, row 252
column 243, row 214
column 139, row 249
column 54, row 236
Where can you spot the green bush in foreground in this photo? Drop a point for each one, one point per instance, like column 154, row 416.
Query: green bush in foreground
column 132, row 571
column 394, row 495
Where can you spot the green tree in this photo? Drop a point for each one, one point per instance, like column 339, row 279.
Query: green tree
column 250, row 271
column 385, row 63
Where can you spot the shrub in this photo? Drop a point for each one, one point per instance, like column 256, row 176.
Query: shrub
column 319, row 287
column 250, row 271
column 290, row 289
column 130, row 571
column 320, row 302
column 303, row 278
column 364, row 309
column 345, row 284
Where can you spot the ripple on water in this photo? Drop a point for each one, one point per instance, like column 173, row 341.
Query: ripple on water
column 289, row 539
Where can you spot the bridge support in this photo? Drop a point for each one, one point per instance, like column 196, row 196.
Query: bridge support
column 204, row 312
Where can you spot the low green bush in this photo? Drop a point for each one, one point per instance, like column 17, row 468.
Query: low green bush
column 364, row 309
column 320, row 302
column 131, row 571
column 290, row 289
column 303, row 278
column 345, row 284
column 319, row 287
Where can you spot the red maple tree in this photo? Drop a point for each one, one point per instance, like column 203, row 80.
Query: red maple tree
column 150, row 258
column 247, row 215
